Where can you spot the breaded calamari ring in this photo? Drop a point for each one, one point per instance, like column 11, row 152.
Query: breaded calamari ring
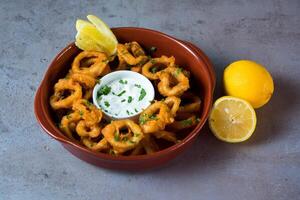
column 152, row 122
column 193, row 106
column 58, row 100
column 84, row 130
column 163, row 62
column 86, row 81
column 98, row 63
column 183, row 124
column 173, row 103
column 119, row 141
column 149, row 144
column 67, row 122
column 102, row 145
column 129, row 58
column 166, row 135
column 165, row 87
column 89, row 112
column 135, row 48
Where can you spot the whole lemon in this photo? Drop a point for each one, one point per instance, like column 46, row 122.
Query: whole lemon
column 250, row 81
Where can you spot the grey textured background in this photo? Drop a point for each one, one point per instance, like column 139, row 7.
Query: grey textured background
column 34, row 166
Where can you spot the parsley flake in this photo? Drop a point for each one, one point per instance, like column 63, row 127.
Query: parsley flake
column 142, row 94
column 105, row 90
column 122, row 81
column 187, row 122
column 121, row 93
column 106, row 103
column 129, row 99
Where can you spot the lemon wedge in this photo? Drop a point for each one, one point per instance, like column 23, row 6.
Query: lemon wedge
column 232, row 119
column 95, row 35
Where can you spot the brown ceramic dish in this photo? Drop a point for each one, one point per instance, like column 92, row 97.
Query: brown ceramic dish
column 186, row 54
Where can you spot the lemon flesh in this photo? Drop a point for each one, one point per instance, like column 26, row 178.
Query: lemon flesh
column 232, row 119
column 250, row 81
column 95, row 35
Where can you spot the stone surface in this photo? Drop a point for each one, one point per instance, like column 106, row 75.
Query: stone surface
column 34, row 166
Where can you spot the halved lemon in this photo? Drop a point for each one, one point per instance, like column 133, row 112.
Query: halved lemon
column 95, row 35
column 232, row 119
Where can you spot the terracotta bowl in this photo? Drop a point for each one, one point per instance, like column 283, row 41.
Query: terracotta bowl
column 187, row 55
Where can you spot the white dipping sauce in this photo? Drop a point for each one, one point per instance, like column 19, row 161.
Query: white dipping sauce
column 123, row 94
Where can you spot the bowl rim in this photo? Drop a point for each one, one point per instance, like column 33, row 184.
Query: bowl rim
column 58, row 135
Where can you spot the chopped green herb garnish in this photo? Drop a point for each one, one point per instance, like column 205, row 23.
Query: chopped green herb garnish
column 129, row 99
column 106, row 103
column 122, row 81
column 137, row 134
column 124, row 139
column 105, row 110
column 87, row 103
column 113, row 93
column 123, row 100
column 80, row 112
column 105, row 90
column 68, row 117
column 143, row 119
column 153, row 70
column 142, row 94
column 121, row 93
column 137, row 85
column 136, row 110
column 178, row 71
column 187, row 122
column 152, row 61
column 153, row 117
column 152, row 49
column 128, row 113
column 116, row 136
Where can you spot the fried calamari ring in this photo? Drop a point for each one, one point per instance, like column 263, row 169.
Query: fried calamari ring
column 66, row 91
column 155, row 117
column 173, row 103
column 102, row 145
column 166, row 135
column 137, row 69
column 194, row 104
column 166, row 88
column 87, row 82
column 149, row 145
column 138, row 150
column 68, row 123
column 89, row 112
column 98, row 63
column 84, row 130
column 122, row 142
column 183, row 124
column 129, row 58
column 156, row 65
column 135, row 48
